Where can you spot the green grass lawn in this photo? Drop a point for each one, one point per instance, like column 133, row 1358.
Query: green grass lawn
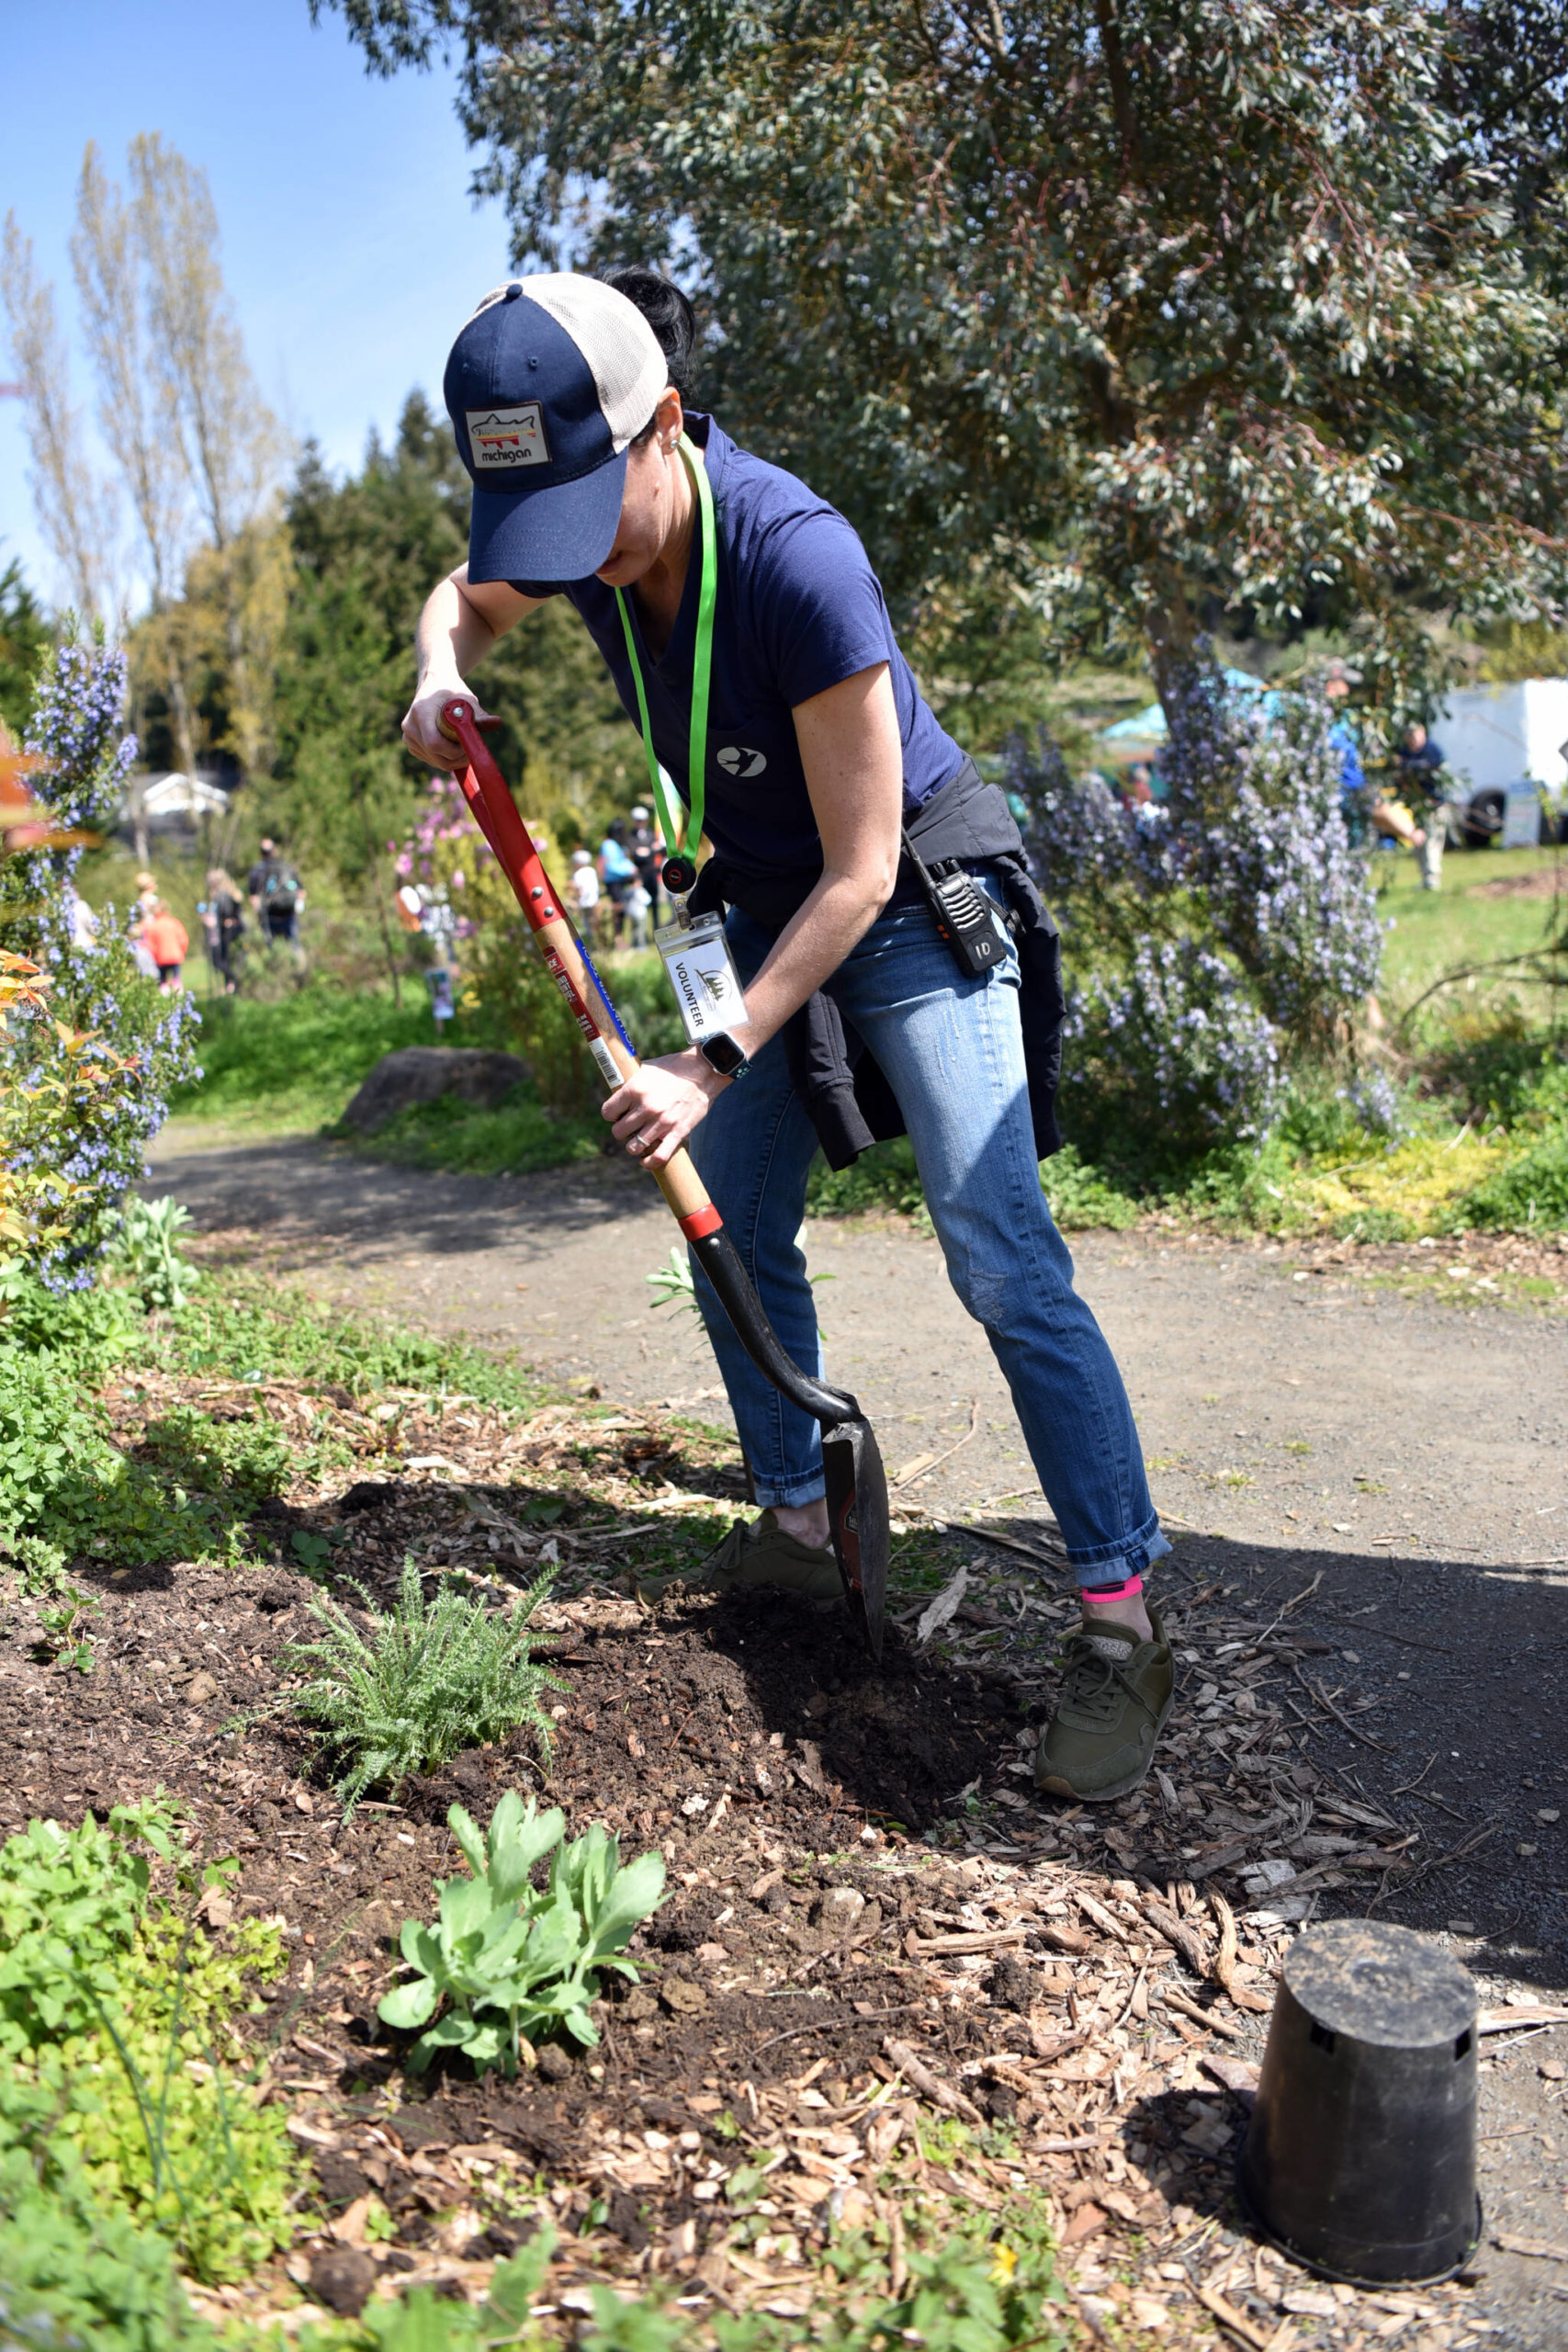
column 290, row 1068
column 1468, row 921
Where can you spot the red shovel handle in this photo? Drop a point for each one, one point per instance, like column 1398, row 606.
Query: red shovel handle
column 495, row 812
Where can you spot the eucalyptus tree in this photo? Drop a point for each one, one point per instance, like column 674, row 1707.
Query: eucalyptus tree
column 1134, row 311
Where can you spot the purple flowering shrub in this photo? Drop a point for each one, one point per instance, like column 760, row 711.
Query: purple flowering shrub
column 1254, row 802
column 88, row 1073
column 1177, row 1053
column 1211, row 935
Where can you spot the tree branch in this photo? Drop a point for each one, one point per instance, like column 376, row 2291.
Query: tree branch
column 1121, row 90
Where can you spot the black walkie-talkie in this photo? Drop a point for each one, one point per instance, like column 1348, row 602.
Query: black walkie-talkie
column 968, row 920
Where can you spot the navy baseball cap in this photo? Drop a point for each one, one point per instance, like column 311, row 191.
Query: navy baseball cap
column 547, row 387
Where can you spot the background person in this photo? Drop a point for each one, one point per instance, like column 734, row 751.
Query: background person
column 223, row 913
column 582, row 882
column 167, row 941
column 1421, row 774
column 276, row 894
column 146, row 908
column 618, row 871
column 1357, row 797
column 820, row 748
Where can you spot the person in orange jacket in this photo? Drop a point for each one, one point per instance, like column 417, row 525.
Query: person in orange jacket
column 167, row 941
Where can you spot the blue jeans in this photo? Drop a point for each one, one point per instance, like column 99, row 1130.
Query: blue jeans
column 952, row 1049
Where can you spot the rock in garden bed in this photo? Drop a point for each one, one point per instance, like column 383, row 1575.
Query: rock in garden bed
column 417, row 1074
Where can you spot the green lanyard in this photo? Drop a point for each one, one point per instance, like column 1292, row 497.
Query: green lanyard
column 691, row 828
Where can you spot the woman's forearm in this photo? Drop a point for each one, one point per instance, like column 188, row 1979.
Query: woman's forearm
column 810, row 948
column 453, row 634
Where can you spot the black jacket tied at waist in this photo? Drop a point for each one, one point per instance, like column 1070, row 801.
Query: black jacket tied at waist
column 832, row 1070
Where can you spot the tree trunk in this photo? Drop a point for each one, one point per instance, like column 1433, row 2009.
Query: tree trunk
column 386, row 945
column 135, row 794
column 1170, row 628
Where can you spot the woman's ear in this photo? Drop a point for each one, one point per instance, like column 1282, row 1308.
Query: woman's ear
column 670, row 419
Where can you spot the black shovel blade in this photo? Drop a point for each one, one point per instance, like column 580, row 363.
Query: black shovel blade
column 858, row 1515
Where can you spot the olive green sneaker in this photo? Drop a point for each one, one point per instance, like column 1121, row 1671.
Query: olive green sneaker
column 1116, row 1693
column 752, row 1553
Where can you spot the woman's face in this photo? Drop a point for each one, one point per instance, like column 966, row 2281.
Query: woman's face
column 653, row 501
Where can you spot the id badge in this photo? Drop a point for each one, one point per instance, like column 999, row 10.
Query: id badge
column 703, row 974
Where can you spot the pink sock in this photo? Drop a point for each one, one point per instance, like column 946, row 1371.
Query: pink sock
column 1104, row 1593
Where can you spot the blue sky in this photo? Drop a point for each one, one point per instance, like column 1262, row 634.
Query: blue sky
column 351, row 246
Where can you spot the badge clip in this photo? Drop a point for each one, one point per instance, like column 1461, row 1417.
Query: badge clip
column 702, row 971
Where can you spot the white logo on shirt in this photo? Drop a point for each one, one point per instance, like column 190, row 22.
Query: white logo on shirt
column 504, row 439
column 734, row 759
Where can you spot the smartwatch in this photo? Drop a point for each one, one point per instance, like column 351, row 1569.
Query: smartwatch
column 721, row 1053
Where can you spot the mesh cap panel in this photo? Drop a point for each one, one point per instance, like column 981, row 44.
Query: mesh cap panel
column 624, row 356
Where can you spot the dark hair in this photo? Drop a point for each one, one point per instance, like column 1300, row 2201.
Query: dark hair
column 671, row 316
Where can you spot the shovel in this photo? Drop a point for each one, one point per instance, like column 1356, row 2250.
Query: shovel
column 856, row 1482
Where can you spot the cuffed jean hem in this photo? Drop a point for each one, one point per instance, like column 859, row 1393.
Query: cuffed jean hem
column 1127, row 1560
column 793, row 1496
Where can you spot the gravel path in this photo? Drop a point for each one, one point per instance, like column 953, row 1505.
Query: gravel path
column 1396, row 1456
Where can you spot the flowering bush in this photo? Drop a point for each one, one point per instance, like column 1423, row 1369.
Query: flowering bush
column 1255, row 788
column 1180, row 1053
column 1211, row 933
column 446, row 853
column 90, row 1069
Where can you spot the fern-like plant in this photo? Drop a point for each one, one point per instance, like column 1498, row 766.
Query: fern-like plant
column 431, row 1678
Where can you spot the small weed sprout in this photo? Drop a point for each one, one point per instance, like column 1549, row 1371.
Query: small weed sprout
column 431, row 1679
column 511, row 1961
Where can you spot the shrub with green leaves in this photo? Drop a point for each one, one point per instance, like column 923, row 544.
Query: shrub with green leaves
column 508, row 1962
column 86, row 1332
column 66, row 1492
column 115, row 2043
column 75, row 2272
column 431, row 1678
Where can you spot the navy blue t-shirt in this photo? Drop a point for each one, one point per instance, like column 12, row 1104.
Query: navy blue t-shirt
column 798, row 610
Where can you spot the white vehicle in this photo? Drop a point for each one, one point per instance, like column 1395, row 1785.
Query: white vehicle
column 1508, row 745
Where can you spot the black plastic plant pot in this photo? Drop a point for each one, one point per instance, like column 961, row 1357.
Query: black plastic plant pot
column 1360, row 2156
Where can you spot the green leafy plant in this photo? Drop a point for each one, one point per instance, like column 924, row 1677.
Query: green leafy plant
column 313, row 1552
column 431, row 1679
column 984, row 2284
column 66, row 1492
column 255, row 1331
column 672, row 1283
column 115, row 2035
column 144, row 1251
column 422, row 2322
column 75, row 2271
column 246, row 1457
column 511, row 1961
column 65, row 1640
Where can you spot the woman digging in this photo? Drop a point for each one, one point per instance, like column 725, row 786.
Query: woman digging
column 835, row 805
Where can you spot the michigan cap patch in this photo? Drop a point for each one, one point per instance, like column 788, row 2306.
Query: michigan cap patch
column 505, row 440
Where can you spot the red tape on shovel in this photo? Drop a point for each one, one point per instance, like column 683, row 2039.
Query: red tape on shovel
column 856, row 1482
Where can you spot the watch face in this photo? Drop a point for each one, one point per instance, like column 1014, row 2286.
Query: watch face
column 724, row 1053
